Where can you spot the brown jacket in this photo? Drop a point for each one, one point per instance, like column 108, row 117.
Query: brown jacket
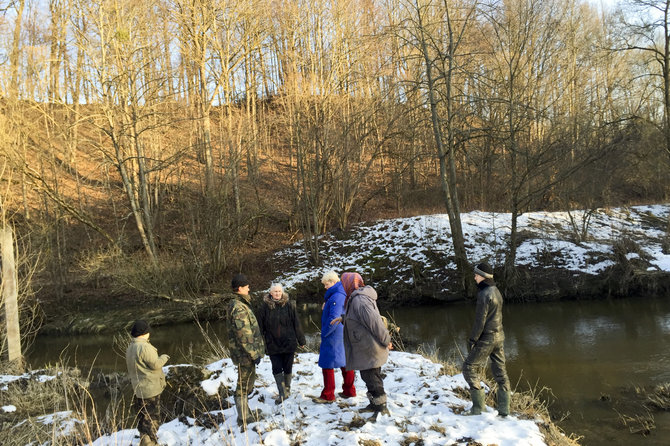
column 145, row 368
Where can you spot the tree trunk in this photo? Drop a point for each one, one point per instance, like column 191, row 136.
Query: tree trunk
column 14, row 55
column 446, row 158
column 10, row 296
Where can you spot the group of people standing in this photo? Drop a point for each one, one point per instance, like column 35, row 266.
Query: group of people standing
column 354, row 336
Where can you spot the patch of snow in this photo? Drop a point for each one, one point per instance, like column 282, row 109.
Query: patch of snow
column 421, row 399
column 6, row 379
column 579, row 241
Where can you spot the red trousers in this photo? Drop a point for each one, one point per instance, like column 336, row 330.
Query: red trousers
column 348, row 387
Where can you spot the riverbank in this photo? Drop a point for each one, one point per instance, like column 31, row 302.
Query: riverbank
column 589, row 254
column 586, row 357
column 426, row 400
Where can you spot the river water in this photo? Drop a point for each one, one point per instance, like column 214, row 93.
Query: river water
column 590, row 354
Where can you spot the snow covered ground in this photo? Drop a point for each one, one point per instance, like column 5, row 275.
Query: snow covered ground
column 425, row 403
column 579, row 241
column 424, row 410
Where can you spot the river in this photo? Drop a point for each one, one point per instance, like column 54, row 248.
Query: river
column 590, row 354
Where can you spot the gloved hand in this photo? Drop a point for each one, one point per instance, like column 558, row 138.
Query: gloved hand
column 257, row 361
column 166, row 357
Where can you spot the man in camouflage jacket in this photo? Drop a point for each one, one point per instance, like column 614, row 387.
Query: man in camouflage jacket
column 245, row 343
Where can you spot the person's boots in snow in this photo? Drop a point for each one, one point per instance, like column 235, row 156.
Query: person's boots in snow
column 377, row 406
column 146, row 440
column 503, row 402
column 287, row 383
column 370, row 407
column 380, row 405
column 478, row 397
column 279, row 378
column 244, row 415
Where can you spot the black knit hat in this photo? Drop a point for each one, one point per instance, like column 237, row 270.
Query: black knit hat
column 484, row 270
column 238, row 281
column 139, row 328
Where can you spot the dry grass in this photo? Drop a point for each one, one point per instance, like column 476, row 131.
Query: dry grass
column 79, row 413
column 66, row 397
column 642, row 423
column 450, row 366
column 659, row 397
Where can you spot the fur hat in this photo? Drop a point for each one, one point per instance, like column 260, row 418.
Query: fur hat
column 239, row 280
column 139, row 328
column 484, row 270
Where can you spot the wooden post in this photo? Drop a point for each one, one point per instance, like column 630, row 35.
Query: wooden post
column 9, row 295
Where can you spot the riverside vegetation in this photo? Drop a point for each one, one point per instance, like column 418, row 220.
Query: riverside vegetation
column 61, row 406
column 143, row 161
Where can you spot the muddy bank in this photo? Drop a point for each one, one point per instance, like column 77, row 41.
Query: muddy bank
column 89, row 313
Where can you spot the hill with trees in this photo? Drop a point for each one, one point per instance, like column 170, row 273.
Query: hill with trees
column 148, row 150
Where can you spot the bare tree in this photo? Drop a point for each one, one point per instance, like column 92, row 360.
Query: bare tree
column 648, row 26
column 123, row 48
column 438, row 29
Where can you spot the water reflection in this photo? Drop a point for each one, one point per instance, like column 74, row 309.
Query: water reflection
column 581, row 350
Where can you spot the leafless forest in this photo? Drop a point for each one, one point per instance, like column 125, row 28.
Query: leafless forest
column 155, row 145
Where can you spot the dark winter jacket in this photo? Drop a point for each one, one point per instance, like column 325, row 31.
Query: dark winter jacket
column 366, row 338
column 488, row 315
column 331, row 352
column 280, row 325
column 244, row 335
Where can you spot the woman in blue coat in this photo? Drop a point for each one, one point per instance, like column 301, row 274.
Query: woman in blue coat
column 331, row 353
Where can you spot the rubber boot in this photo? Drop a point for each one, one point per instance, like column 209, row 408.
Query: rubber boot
column 348, row 387
column 287, row 383
column 382, row 409
column 328, row 392
column 380, row 405
column 279, row 378
column 503, row 402
column 478, row 397
column 370, row 407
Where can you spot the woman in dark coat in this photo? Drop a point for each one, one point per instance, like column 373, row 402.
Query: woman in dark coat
column 280, row 326
column 331, row 352
column 366, row 339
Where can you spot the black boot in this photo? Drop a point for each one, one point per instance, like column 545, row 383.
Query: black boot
column 279, row 378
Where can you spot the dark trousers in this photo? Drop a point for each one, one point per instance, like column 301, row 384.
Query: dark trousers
column 148, row 412
column 282, row 363
column 473, row 367
column 374, row 382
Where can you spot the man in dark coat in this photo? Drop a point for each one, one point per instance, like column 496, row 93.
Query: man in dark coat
column 245, row 343
column 486, row 341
